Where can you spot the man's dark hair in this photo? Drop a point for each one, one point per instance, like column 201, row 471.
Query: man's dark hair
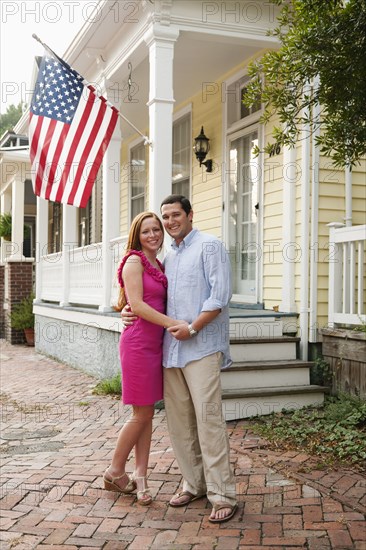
column 183, row 201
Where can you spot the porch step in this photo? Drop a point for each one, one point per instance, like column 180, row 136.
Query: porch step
column 264, row 349
column 255, row 327
column 252, row 320
column 246, row 403
column 266, row 374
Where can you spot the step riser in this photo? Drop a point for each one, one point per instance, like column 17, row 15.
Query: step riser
column 263, row 351
column 235, row 409
column 265, row 378
column 255, row 328
column 289, row 325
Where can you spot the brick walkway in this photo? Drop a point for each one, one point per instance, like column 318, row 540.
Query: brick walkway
column 57, row 439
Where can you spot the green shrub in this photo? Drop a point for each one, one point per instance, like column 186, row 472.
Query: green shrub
column 22, row 316
column 321, row 372
column 336, row 432
column 5, row 226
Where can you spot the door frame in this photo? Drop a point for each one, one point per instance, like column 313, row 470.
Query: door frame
column 231, row 136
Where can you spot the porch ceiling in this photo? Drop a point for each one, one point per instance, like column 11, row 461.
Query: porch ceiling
column 196, row 61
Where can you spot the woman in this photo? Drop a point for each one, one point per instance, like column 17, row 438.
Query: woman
column 143, row 287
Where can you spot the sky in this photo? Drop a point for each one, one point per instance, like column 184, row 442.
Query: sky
column 55, row 22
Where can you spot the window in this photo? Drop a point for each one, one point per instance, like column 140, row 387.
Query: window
column 84, row 224
column 236, row 110
column 244, row 110
column 55, row 228
column 182, row 148
column 90, row 217
column 137, row 177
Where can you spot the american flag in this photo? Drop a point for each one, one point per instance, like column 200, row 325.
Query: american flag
column 69, row 131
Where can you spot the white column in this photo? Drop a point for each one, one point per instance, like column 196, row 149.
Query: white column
column 69, row 242
column 348, row 185
column 160, row 41
column 17, row 220
column 290, row 251
column 111, row 212
column 41, row 242
column 5, row 208
column 314, row 221
column 304, row 267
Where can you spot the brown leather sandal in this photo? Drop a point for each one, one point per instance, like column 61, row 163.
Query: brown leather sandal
column 190, row 498
column 220, row 506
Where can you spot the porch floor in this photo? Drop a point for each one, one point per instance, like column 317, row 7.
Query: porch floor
column 237, row 310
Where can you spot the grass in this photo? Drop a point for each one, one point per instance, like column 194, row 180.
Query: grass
column 111, row 386
column 336, row 433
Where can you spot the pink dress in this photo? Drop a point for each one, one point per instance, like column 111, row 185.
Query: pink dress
column 141, row 344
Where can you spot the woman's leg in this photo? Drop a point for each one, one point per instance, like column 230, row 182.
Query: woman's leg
column 142, row 446
column 136, row 427
column 142, row 451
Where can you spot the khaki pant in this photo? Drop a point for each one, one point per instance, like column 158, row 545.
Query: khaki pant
column 192, row 398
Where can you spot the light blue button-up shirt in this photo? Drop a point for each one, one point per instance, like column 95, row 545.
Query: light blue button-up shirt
column 199, row 279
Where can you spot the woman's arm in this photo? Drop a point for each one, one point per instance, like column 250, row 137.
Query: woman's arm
column 132, row 278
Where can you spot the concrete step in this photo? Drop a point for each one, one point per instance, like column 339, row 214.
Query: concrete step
column 254, row 321
column 264, row 349
column 246, row 403
column 266, row 374
column 255, row 327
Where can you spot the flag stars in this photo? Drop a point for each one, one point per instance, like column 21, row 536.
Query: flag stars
column 58, row 91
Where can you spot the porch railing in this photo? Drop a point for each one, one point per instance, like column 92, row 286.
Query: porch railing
column 346, row 304
column 51, row 267
column 85, row 274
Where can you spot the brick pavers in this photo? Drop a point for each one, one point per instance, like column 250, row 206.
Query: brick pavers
column 57, row 438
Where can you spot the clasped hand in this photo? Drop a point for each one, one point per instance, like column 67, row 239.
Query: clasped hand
column 179, row 331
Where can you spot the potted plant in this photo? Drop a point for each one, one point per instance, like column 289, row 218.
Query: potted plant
column 22, row 318
column 5, row 226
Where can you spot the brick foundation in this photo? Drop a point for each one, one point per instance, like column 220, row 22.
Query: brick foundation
column 19, row 285
column 2, row 300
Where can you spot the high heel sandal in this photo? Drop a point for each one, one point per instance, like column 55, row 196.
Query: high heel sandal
column 144, row 492
column 111, row 485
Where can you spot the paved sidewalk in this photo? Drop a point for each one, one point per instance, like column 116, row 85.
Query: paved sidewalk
column 57, row 439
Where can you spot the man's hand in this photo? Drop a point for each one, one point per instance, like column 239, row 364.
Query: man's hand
column 180, row 332
column 128, row 318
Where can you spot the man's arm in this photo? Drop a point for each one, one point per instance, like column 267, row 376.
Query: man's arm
column 181, row 331
column 217, row 272
column 127, row 315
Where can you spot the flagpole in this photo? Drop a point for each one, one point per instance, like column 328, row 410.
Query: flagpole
column 146, row 142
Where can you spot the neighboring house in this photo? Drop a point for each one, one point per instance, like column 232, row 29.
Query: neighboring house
column 189, row 69
column 16, row 187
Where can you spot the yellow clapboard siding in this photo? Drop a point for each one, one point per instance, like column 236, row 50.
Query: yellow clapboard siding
column 207, row 198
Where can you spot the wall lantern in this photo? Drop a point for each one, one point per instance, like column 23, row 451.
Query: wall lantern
column 201, row 148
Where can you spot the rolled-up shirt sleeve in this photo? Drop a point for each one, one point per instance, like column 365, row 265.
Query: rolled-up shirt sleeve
column 216, row 265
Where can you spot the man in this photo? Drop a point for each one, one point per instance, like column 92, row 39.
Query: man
column 199, row 290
